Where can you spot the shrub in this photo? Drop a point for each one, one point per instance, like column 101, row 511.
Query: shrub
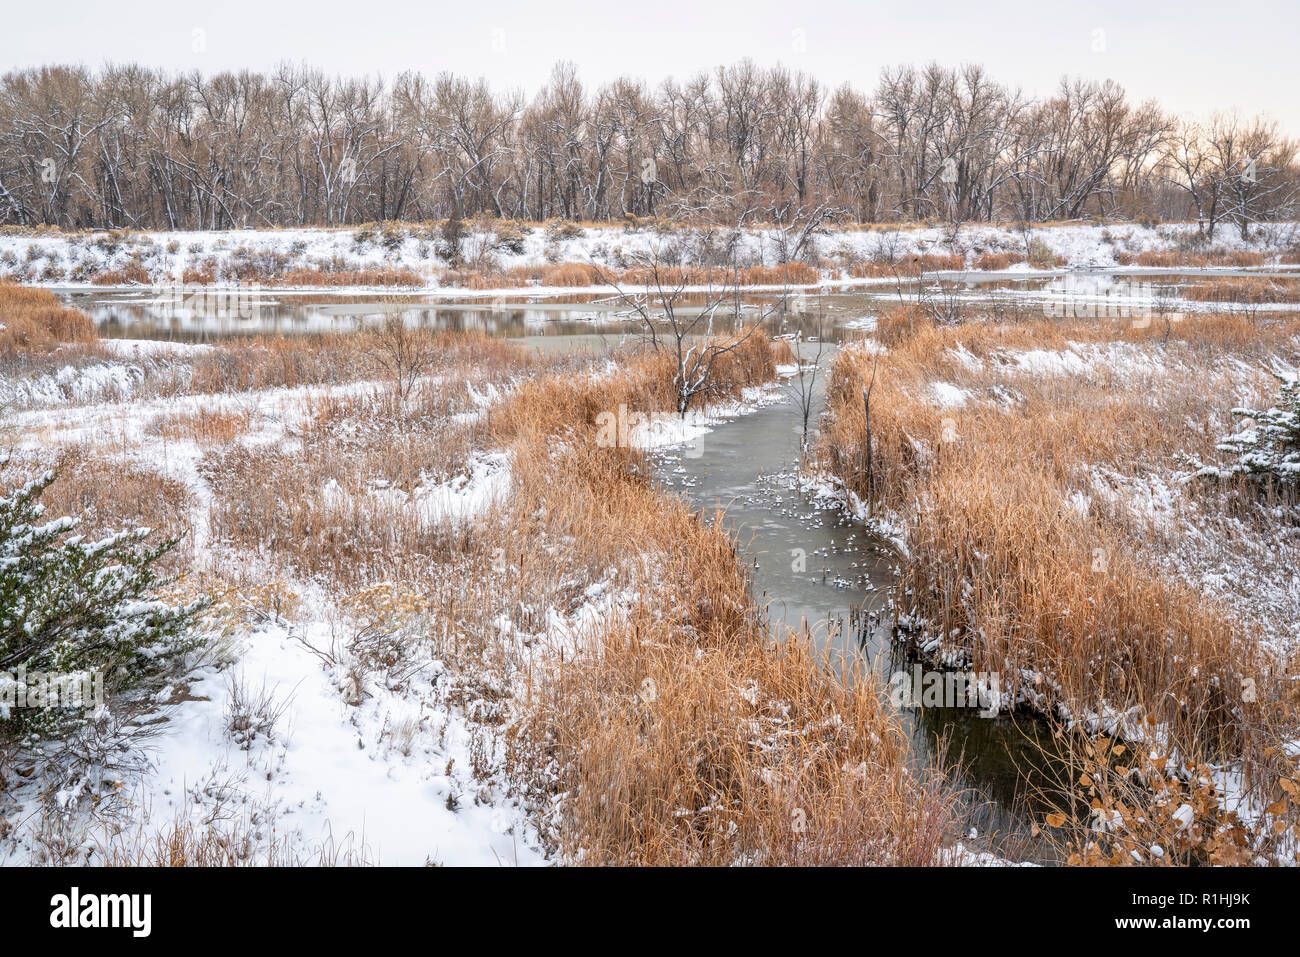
column 77, row 611
column 391, row 237
column 451, row 234
column 1269, row 449
column 133, row 273
column 557, row 229
column 1040, row 254
column 509, row 237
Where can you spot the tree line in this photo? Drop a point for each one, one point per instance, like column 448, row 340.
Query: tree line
column 129, row 146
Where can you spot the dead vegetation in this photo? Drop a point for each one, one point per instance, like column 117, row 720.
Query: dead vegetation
column 1016, row 457
column 679, row 732
column 34, row 321
column 1246, row 290
column 1190, row 259
column 719, row 745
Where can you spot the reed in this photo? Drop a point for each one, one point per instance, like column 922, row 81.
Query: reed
column 1022, row 555
column 34, row 321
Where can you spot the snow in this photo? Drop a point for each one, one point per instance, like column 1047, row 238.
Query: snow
column 166, row 254
column 142, row 348
column 333, row 774
column 383, row 776
column 946, row 395
column 360, row 767
column 101, row 381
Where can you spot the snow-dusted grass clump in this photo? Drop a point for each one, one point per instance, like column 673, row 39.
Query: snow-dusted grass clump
column 1052, row 530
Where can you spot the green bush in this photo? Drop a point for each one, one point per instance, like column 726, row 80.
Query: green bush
column 1268, row 448
column 78, row 613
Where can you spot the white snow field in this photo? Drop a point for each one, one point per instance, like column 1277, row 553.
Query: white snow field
column 72, row 260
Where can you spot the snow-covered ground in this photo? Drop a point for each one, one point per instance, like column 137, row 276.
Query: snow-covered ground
column 74, row 259
column 344, row 764
column 378, row 773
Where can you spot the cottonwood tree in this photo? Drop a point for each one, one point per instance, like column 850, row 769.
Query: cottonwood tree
column 1250, row 160
column 132, row 146
column 1187, row 165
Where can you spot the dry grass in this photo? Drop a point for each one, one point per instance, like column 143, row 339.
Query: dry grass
column 998, row 261
column 1249, row 289
column 293, row 361
column 673, row 731
column 132, row 274
column 34, row 321
column 346, row 277
column 678, row 732
column 909, row 266
column 269, row 273
column 206, row 427
column 697, row 741
column 748, row 752
column 1064, row 600
column 186, row 843
column 1175, row 258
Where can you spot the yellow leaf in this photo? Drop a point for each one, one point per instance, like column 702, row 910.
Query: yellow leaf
column 1055, row 820
column 1085, row 780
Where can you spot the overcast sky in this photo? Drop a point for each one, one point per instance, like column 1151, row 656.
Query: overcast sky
column 1194, row 56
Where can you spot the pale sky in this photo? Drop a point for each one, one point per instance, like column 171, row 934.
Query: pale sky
column 1194, row 56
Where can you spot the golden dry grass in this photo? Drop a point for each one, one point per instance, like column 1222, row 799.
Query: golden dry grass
column 206, row 427
column 684, row 778
column 132, row 274
column 571, row 274
column 34, row 321
column 1250, row 289
column 1001, row 557
column 676, row 731
column 998, row 261
column 1175, row 258
column 680, row 733
column 910, row 266
column 346, row 277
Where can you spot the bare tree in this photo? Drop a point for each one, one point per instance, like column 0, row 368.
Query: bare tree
column 803, row 384
column 697, row 336
column 127, row 145
column 403, row 354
